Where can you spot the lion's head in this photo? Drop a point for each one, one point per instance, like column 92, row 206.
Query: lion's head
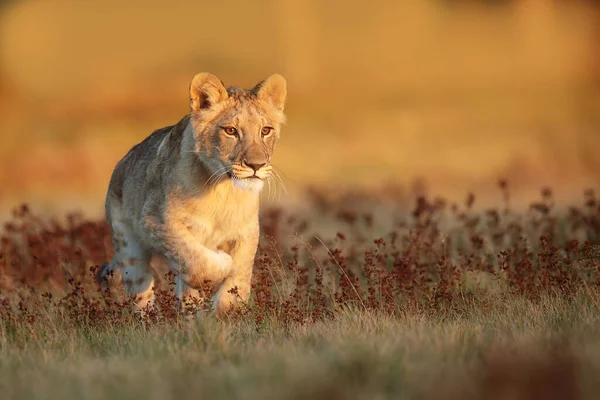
column 235, row 130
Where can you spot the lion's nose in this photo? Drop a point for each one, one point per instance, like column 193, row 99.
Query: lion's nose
column 255, row 166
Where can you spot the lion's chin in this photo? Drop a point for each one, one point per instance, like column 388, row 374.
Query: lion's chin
column 250, row 184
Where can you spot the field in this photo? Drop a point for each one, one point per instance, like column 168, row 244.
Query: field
column 356, row 296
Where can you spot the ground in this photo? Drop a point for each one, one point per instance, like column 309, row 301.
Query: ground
column 356, row 296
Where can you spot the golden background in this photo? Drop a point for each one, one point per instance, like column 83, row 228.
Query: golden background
column 446, row 95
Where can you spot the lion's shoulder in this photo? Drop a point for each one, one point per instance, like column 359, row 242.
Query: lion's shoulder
column 147, row 148
column 135, row 163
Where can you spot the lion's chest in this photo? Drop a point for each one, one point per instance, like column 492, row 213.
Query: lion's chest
column 214, row 221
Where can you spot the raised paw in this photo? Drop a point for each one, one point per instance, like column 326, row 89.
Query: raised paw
column 223, row 261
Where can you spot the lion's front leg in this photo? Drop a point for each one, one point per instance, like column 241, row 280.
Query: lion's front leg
column 189, row 299
column 193, row 262
column 235, row 289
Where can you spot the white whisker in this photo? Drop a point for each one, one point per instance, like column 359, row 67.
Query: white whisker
column 270, row 189
column 276, row 174
column 217, row 176
column 273, row 191
column 212, row 177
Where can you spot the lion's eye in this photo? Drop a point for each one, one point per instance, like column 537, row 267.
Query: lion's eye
column 230, row 130
column 266, row 131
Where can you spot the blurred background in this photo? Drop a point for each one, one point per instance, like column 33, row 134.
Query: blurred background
column 443, row 96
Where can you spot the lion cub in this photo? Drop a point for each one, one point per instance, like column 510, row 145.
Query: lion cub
column 189, row 193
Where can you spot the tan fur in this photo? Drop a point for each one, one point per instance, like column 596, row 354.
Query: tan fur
column 186, row 193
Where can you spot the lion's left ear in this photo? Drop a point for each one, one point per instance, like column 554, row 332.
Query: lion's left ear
column 272, row 90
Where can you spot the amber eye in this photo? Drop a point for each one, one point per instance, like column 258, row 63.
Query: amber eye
column 230, row 130
column 266, row 131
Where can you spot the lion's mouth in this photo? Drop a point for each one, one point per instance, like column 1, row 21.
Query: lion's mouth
column 250, row 177
column 251, row 182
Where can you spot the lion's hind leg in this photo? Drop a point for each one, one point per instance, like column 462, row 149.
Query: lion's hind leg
column 105, row 273
column 133, row 261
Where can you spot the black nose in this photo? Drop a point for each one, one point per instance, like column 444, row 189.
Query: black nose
column 255, row 166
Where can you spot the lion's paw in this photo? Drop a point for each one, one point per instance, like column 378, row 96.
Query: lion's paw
column 223, row 261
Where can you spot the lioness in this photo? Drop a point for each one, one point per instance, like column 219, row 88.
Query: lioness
column 189, row 193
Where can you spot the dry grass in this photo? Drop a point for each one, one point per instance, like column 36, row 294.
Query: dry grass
column 544, row 350
column 357, row 297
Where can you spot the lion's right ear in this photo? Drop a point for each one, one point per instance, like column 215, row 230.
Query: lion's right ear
column 206, row 90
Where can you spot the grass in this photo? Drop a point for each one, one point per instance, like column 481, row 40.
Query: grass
column 356, row 355
column 356, row 296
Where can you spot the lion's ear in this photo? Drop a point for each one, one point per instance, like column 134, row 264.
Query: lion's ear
column 273, row 90
column 206, row 90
